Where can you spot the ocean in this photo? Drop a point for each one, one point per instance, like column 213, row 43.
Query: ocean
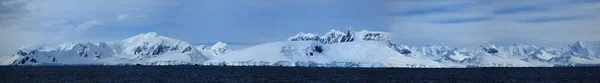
column 229, row 74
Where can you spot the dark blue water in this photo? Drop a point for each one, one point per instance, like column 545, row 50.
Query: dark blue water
column 170, row 74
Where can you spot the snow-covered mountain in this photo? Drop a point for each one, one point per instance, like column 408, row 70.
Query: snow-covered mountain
column 146, row 49
column 374, row 49
column 215, row 50
column 333, row 49
column 514, row 55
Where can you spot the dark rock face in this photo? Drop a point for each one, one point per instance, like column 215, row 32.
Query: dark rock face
column 33, row 52
column 82, row 51
column 404, row 51
column 466, row 60
column 306, row 38
column 318, row 49
column 561, row 59
column 339, row 37
column 373, row 37
column 138, row 50
column 490, row 50
column 187, row 49
column 33, row 60
column 160, row 49
column 332, row 38
column 147, row 49
column 22, row 61
column 103, row 45
column 27, row 60
column 97, row 55
column 20, row 52
column 348, row 37
column 315, row 50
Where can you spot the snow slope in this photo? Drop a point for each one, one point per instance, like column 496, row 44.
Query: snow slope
column 304, row 53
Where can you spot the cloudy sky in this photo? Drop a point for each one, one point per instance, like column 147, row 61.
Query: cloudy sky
column 413, row 22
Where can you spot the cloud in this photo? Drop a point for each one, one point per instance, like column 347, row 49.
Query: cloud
column 499, row 22
column 20, row 26
column 11, row 37
column 425, row 7
column 516, row 10
column 420, row 12
column 88, row 24
column 28, row 22
column 462, row 20
column 141, row 16
column 124, row 16
column 552, row 19
column 67, row 27
column 12, row 10
column 27, row 32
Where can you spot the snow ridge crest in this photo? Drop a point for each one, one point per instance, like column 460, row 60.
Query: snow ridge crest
column 335, row 36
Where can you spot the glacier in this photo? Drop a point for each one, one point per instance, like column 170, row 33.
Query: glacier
column 333, row 49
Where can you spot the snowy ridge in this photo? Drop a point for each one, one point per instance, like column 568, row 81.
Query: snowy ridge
column 335, row 36
column 333, row 49
column 149, row 46
column 374, row 49
column 521, row 55
column 146, row 48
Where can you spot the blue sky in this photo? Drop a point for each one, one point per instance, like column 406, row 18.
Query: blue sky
column 413, row 22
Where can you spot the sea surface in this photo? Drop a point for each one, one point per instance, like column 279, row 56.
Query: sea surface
column 224, row 74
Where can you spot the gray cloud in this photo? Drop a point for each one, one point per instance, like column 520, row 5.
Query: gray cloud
column 553, row 19
column 12, row 10
column 88, row 24
column 556, row 22
column 13, row 35
column 420, row 12
column 516, row 10
column 462, row 20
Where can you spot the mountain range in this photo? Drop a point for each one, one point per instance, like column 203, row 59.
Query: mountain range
column 333, row 49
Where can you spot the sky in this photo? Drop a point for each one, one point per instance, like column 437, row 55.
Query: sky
column 412, row 22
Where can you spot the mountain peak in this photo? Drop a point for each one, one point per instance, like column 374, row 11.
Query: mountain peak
column 304, row 37
column 150, row 33
column 147, row 35
column 579, row 44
